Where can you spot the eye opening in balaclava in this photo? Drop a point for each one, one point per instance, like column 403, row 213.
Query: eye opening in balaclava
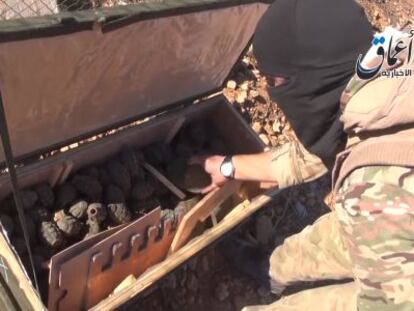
column 315, row 43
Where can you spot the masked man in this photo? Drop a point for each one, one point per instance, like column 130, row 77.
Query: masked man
column 308, row 51
column 369, row 236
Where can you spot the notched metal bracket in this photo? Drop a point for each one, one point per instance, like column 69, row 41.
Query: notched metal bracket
column 103, row 265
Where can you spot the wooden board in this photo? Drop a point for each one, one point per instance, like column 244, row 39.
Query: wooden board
column 165, row 181
column 16, row 279
column 201, row 211
column 237, row 215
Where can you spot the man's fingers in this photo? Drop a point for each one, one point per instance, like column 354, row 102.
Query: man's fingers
column 209, row 188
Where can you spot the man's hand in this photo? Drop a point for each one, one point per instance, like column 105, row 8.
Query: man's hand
column 211, row 165
column 259, row 167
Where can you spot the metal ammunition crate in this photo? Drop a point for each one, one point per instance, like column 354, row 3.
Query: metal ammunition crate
column 80, row 81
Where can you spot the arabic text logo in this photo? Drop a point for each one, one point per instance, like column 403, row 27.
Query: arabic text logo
column 378, row 40
column 389, row 50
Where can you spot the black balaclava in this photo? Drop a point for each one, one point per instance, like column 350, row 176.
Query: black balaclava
column 315, row 43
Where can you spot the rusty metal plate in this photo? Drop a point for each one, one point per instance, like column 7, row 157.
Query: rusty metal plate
column 91, row 276
column 55, row 292
column 134, row 255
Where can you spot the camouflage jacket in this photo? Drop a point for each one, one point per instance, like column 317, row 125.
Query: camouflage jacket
column 293, row 164
column 375, row 193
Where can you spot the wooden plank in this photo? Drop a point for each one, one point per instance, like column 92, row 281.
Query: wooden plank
column 201, row 211
column 16, row 278
column 238, row 214
column 181, row 195
column 175, row 129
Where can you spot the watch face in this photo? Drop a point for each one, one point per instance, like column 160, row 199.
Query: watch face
column 226, row 169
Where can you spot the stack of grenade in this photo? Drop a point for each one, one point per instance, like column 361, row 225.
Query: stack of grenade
column 102, row 196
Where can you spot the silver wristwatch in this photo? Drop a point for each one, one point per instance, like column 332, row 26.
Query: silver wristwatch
column 227, row 168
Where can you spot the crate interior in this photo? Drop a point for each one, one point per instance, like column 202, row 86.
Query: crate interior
column 219, row 117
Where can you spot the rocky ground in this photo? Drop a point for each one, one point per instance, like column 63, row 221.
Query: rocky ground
column 208, row 282
column 382, row 13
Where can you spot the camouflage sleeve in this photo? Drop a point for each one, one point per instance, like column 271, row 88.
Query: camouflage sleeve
column 375, row 206
column 292, row 164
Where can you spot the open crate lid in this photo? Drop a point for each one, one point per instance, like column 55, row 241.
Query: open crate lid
column 69, row 75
